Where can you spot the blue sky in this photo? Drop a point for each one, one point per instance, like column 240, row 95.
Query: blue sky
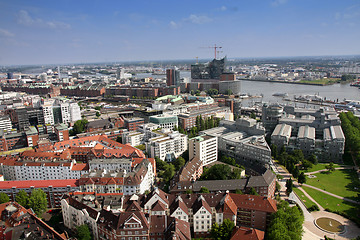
column 68, row 31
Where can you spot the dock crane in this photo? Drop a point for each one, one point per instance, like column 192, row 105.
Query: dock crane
column 215, row 49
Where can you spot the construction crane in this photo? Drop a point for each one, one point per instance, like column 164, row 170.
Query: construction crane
column 215, row 49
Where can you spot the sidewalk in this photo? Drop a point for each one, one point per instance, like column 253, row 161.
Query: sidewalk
column 331, row 194
column 324, row 170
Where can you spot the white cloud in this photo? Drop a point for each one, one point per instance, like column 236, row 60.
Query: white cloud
column 173, row 24
column 6, row 33
column 278, row 2
column 223, row 8
column 199, row 19
column 24, row 18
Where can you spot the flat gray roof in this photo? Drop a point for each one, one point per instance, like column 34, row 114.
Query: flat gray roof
column 306, row 132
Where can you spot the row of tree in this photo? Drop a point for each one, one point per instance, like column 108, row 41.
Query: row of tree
column 167, row 170
column 294, row 161
column 286, row 223
column 351, row 127
column 200, row 125
column 79, row 127
column 220, row 172
column 36, row 201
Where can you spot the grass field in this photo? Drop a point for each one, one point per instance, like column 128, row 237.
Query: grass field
column 342, row 182
column 320, row 166
column 308, row 203
column 322, row 81
column 334, row 204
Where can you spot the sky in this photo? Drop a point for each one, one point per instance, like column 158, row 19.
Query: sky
column 68, row 31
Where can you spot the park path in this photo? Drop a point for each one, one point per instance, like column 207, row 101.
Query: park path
column 307, row 195
column 331, row 194
column 324, row 170
column 311, row 231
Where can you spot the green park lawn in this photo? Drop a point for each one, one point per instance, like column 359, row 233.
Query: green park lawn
column 323, row 81
column 334, row 204
column 320, row 166
column 341, row 182
column 308, row 203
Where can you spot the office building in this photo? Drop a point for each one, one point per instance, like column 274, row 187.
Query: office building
column 165, row 121
column 172, row 77
column 204, row 148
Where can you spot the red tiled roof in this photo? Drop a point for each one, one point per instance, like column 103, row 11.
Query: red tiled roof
column 254, row 202
column 107, row 146
column 46, row 155
column 229, row 205
column 80, row 167
column 100, row 180
column 245, row 233
column 39, row 183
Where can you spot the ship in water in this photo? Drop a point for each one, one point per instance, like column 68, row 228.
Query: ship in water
column 355, row 84
column 280, row 95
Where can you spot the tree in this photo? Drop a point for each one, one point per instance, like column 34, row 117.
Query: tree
column 330, row 167
column 286, row 223
column 160, row 164
column 306, row 164
column 238, row 191
column 98, row 114
column 289, row 186
column 38, row 201
column 185, row 155
column 212, row 91
column 119, row 139
column 222, row 232
column 252, row 191
column 252, row 115
column 204, row 190
column 302, row 178
column 296, row 172
column 179, row 163
column 79, row 127
column 83, row 232
column 313, row 159
column 22, row 198
column 217, row 172
column 98, row 108
column 228, row 160
column 228, row 92
column 348, row 77
column 4, row 198
column 169, row 172
column 277, row 187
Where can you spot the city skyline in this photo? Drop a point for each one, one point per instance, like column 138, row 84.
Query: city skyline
column 45, row 32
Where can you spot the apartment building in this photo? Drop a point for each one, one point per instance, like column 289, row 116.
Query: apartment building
column 188, row 120
column 281, row 135
column 17, row 169
column 137, row 181
column 54, row 189
column 5, row 123
column 204, row 148
column 165, row 121
column 168, row 146
column 18, row 222
column 264, row 185
column 244, row 142
column 334, row 143
column 306, row 139
column 152, row 216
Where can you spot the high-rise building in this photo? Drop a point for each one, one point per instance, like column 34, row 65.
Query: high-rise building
column 205, row 148
column 172, row 77
column 211, row 70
